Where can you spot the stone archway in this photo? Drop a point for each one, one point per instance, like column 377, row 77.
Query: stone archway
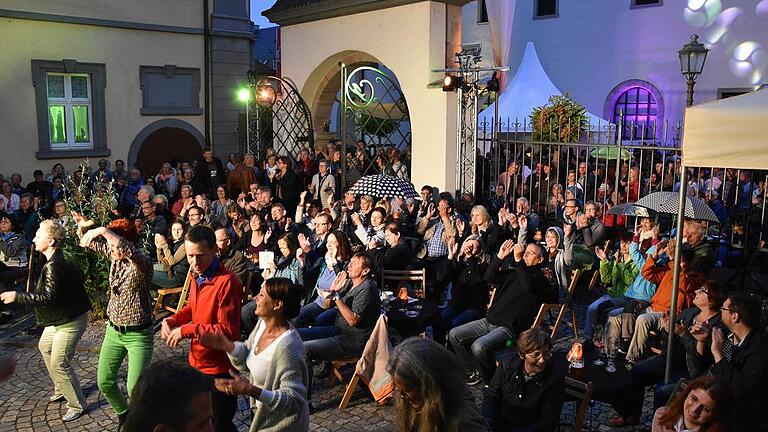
column 163, row 141
column 324, row 83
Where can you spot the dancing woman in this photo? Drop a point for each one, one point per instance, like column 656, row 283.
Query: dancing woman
column 129, row 331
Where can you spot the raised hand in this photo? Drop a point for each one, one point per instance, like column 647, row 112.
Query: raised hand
column 338, row 282
column 502, row 215
column 600, row 253
column 567, row 229
column 518, row 249
column 304, row 243
column 506, row 249
column 582, row 221
column 460, row 225
column 522, row 220
column 356, row 219
column 267, row 235
column 430, row 211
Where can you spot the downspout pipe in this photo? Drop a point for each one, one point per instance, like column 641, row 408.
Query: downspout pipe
column 206, row 72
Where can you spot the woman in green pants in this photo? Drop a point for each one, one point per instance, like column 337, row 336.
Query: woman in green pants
column 61, row 306
column 129, row 331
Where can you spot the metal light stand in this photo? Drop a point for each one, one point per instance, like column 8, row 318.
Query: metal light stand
column 467, row 95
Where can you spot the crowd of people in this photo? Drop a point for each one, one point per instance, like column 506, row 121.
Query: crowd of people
column 284, row 268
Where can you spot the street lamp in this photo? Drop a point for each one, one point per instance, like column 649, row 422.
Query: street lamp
column 692, row 58
column 244, row 96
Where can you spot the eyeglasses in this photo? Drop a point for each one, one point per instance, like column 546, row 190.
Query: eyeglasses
column 403, row 395
column 726, row 309
column 702, row 290
column 537, row 355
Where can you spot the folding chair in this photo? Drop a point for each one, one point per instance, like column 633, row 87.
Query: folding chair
column 183, row 291
column 567, row 305
column 363, row 369
column 582, row 393
column 419, row 275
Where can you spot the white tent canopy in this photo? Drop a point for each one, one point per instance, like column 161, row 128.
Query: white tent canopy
column 528, row 89
column 730, row 133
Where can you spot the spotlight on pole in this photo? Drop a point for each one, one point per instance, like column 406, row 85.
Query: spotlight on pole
column 452, row 82
column 266, row 95
column 493, row 84
column 244, row 95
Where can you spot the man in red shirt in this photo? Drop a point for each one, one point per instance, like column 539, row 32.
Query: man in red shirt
column 214, row 307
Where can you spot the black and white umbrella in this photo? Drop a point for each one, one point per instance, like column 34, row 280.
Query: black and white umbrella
column 667, row 202
column 384, row 186
column 629, row 209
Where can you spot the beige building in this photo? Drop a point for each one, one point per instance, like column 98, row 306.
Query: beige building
column 409, row 37
column 143, row 81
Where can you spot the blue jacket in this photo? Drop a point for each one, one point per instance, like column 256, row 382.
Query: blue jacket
column 641, row 289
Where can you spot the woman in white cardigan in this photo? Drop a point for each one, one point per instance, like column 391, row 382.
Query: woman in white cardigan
column 274, row 357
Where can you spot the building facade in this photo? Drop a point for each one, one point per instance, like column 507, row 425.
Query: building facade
column 141, row 81
column 617, row 56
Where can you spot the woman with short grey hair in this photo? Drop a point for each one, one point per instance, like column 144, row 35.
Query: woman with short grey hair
column 61, row 306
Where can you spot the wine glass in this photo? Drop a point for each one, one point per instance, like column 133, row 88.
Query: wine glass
column 598, row 338
column 611, row 346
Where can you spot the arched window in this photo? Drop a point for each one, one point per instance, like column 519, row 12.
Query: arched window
column 640, row 113
column 642, row 107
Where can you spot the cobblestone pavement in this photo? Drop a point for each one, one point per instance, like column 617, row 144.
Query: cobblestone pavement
column 24, row 405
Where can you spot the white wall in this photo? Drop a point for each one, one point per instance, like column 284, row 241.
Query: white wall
column 593, row 45
column 410, row 40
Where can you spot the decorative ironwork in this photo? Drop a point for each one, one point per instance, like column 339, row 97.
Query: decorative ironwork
column 374, row 111
column 278, row 117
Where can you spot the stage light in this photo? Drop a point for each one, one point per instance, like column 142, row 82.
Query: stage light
column 452, row 82
column 266, row 96
column 244, row 95
column 493, row 84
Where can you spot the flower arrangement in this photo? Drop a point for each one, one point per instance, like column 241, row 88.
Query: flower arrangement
column 561, row 120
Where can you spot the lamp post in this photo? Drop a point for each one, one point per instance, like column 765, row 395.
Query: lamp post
column 692, row 58
column 244, row 95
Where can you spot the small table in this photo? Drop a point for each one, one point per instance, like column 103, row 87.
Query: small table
column 411, row 318
column 609, row 387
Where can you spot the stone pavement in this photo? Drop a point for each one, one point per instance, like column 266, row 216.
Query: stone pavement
column 24, row 402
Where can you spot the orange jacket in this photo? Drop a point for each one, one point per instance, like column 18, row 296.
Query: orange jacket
column 661, row 276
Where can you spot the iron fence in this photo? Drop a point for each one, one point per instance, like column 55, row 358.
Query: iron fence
column 610, row 164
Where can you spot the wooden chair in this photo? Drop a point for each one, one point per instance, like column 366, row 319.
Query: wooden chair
column 183, row 291
column 566, row 306
column 418, row 275
column 582, row 393
column 360, row 367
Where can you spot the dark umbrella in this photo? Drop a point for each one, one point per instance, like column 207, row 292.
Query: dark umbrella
column 384, row 186
column 667, row 202
column 629, row 209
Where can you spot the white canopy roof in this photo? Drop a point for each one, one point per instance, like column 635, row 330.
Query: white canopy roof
column 528, row 89
column 729, row 133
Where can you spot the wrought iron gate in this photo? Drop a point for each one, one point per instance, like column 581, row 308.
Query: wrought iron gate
column 278, row 118
column 374, row 110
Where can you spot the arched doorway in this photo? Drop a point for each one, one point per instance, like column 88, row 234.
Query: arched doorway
column 164, row 141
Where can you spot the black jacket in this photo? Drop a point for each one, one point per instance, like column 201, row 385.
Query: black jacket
column 287, row 189
column 469, row 290
column 207, row 180
column 59, row 295
column 519, row 295
column 747, row 374
column 510, row 403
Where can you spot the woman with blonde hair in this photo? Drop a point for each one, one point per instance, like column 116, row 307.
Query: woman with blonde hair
column 483, row 226
column 431, row 395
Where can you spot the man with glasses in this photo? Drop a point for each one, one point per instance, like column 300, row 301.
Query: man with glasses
column 195, row 216
column 231, row 258
column 520, row 293
column 741, row 359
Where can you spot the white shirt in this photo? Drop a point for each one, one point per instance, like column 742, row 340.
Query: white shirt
column 258, row 362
